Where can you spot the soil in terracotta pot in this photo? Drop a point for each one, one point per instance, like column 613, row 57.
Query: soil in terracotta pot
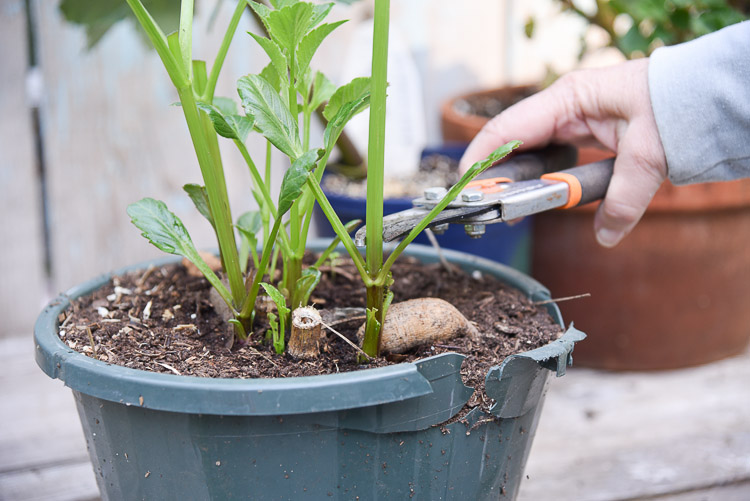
column 434, row 170
column 488, row 106
column 162, row 320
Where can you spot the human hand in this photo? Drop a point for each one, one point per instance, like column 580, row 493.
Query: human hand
column 608, row 107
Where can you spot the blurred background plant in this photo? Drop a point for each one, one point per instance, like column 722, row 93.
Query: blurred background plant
column 637, row 28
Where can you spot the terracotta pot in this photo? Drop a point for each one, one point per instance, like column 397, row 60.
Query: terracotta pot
column 459, row 125
column 674, row 293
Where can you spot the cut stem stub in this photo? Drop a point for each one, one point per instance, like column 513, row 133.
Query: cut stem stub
column 304, row 341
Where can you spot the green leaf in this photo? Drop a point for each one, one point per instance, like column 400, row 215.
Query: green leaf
column 277, row 298
column 272, row 118
column 345, row 94
column 280, row 4
column 310, row 43
column 278, row 61
column 248, row 225
column 270, row 75
column 229, row 126
column 165, row 231
column 306, row 285
column 198, row 195
column 343, row 115
column 289, row 24
column 250, row 222
column 261, row 10
column 226, row 105
column 323, row 89
column 320, row 11
column 295, row 178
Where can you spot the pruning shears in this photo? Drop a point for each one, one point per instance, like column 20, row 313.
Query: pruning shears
column 525, row 184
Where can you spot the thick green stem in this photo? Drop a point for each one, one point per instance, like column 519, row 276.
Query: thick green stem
column 218, row 198
column 186, row 36
column 375, row 300
column 293, row 273
column 375, row 176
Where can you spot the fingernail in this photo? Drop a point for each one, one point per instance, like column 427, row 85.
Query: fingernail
column 607, row 237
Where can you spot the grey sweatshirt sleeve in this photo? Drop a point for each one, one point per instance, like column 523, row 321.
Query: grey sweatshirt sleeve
column 700, row 94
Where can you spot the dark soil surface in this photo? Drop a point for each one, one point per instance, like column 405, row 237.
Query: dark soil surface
column 487, row 105
column 162, row 320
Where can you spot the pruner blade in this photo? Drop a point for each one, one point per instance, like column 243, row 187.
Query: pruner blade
column 489, row 201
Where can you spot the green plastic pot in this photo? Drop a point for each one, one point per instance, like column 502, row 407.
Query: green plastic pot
column 371, row 434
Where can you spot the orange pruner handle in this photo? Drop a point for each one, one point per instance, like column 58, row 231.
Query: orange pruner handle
column 491, row 185
column 574, row 187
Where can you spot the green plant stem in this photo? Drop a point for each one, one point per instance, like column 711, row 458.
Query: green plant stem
column 217, row 194
column 375, row 176
column 339, row 229
column 249, row 304
column 371, row 341
column 159, row 40
column 257, row 179
column 208, row 94
column 308, row 199
column 186, row 35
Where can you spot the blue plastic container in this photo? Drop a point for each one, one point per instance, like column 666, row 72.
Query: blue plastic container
column 509, row 245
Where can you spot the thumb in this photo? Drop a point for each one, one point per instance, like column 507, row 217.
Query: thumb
column 635, row 180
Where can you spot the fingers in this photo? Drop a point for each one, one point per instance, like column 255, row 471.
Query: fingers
column 609, row 107
column 640, row 168
column 530, row 121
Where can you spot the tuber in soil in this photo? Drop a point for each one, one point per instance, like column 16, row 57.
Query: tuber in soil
column 421, row 321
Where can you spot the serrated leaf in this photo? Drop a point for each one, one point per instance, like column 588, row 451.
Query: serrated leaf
column 261, row 10
column 295, row 179
column 272, row 118
column 306, row 285
column 229, row 126
column 289, row 24
column 339, row 120
column 347, row 93
column 198, row 195
column 277, row 298
column 320, row 11
column 309, row 44
column 165, row 231
column 278, row 61
column 491, row 159
column 323, row 89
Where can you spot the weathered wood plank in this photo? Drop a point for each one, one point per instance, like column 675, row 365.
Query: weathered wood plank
column 112, row 138
column 21, row 258
column 636, row 435
column 40, row 411
column 65, row 482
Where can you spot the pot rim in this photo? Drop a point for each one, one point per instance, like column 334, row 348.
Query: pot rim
column 257, row 396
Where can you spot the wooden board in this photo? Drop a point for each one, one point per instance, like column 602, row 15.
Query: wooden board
column 21, row 257
column 636, row 435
